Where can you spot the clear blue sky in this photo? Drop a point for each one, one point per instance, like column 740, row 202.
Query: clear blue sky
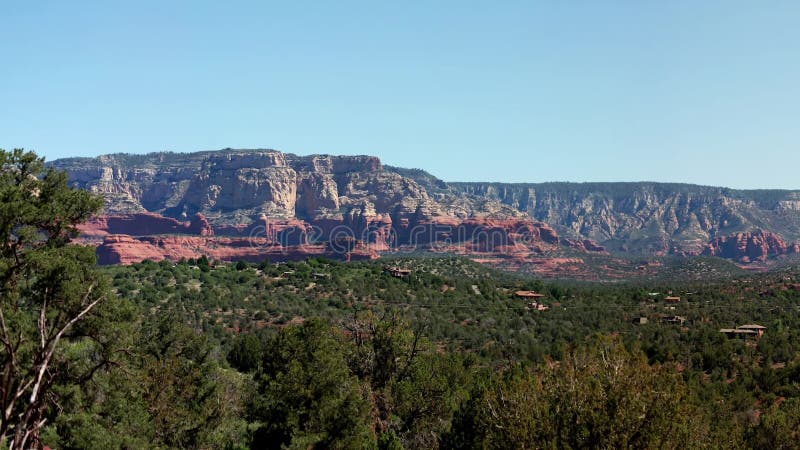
column 692, row 91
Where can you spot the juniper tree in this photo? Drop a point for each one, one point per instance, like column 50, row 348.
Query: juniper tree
column 49, row 293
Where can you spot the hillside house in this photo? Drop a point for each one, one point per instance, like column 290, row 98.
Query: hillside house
column 397, row 272
column 536, row 306
column 673, row 320
column 672, row 299
column 640, row 320
column 745, row 331
column 758, row 329
column 528, row 295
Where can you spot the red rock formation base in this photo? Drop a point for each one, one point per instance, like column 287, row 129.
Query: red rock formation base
column 125, row 239
column 123, row 249
column 749, row 247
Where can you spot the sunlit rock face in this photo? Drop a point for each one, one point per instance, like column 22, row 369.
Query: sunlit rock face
column 246, row 204
column 650, row 218
column 292, row 201
column 748, row 247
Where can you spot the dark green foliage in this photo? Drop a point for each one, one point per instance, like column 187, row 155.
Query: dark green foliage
column 167, row 393
column 246, row 353
column 50, row 295
column 203, row 263
column 600, row 396
column 778, row 427
column 307, row 396
column 81, row 366
column 422, row 353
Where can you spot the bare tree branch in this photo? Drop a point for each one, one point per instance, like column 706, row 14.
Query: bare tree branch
column 43, row 319
column 49, row 353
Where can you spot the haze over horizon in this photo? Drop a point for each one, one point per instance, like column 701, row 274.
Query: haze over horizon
column 520, row 92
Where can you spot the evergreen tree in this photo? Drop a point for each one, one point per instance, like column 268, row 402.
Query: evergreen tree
column 50, row 293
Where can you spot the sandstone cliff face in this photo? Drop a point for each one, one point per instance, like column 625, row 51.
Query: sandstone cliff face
column 289, row 202
column 236, row 187
column 292, row 201
column 123, row 249
column 649, row 218
column 317, row 194
column 329, row 164
column 150, row 236
column 143, row 224
column 748, row 247
column 242, row 181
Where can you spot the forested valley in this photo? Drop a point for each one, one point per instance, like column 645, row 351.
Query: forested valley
column 343, row 355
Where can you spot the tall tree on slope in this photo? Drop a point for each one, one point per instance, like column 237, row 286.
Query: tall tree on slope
column 49, row 293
